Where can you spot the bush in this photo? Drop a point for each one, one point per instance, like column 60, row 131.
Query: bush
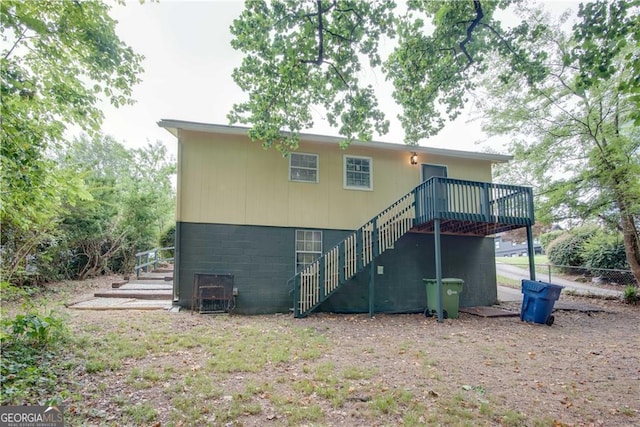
column 604, row 250
column 168, row 240
column 547, row 238
column 168, row 237
column 568, row 248
column 630, row 295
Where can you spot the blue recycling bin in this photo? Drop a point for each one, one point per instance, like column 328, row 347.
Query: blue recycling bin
column 538, row 301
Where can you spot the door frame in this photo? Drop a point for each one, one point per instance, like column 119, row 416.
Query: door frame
column 422, row 177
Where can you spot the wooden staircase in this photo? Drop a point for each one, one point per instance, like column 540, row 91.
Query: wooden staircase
column 459, row 207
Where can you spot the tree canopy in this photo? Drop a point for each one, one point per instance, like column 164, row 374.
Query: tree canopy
column 58, row 60
column 574, row 131
column 299, row 55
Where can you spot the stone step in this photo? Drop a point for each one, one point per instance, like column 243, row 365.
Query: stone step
column 121, row 304
column 153, row 294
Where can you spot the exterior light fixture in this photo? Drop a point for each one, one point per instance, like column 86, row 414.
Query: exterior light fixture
column 414, row 158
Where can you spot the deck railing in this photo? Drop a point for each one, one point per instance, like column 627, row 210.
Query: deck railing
column 152, row 257
column 456, row 199
column 436, row 198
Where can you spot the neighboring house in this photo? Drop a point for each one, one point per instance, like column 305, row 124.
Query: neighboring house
column 508, row 247
column 306, row 232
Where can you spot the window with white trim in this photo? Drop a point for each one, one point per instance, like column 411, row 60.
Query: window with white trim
column 358, row 173
column 308, row 247
column 303, row 167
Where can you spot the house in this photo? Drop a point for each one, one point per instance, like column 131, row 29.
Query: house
column 509, row 247
column 328, row 229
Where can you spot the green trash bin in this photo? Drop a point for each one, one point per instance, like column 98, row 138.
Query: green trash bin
column 451, row 289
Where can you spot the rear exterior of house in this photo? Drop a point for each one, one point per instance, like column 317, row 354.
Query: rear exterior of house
column 260, row 219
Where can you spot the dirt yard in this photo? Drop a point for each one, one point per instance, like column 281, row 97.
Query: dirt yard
column 331, row 369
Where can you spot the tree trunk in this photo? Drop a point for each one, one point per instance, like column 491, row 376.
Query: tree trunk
column 625, row 201
column 631, row 246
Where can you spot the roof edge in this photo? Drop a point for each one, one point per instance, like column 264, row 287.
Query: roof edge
column 172, row 126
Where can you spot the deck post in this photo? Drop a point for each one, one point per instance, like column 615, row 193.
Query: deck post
column 532, row 266
column 484, row 202
column 436, row 225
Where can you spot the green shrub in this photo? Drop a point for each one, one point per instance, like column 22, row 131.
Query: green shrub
column 568, row 248
column 167, row 240
column 630, row 295
column 547, row 238
column 605, row 250
column 168, row 237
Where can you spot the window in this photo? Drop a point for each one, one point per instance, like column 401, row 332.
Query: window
column 303, row 167
column 308, row 247
column 358, row 173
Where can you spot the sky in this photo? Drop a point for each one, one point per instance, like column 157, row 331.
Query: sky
column 188, row 65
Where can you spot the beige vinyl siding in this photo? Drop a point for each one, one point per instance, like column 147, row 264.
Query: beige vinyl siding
column 230, row 180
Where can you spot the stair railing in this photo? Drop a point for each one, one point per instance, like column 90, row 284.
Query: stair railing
column 152, row 257
column 317, row 281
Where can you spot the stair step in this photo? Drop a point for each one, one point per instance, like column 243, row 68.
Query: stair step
column 136, row 294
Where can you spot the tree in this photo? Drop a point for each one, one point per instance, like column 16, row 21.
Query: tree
column 132, row 200
column 574, row 131
column 58, row 59
column 302, row 54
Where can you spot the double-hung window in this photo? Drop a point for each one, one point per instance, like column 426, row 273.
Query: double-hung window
column 303, row 167
column 308, row 247
column 358, row 173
